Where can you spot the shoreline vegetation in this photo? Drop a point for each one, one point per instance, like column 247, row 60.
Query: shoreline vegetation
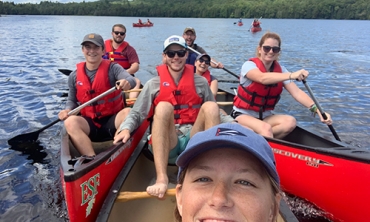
column 287, row 9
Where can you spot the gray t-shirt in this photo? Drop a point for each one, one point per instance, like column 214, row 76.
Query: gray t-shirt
column 248, row 66
column 116, row 72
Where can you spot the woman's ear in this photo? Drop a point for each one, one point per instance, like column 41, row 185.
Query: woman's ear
column 275, row 206
column 179, row 198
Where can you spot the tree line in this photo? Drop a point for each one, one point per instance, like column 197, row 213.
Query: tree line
column 294, row 9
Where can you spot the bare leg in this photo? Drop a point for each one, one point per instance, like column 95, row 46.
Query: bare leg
column 164, row 138
column 258, row 126
column 78, row 130
column 135, row 94
column 282, row 125
column 208, row 116
column 121, row 116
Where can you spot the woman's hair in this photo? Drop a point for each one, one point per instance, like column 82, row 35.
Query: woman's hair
column 274, row 186
column 267, row 35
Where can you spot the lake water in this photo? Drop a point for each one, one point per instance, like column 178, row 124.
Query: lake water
column 33, row 48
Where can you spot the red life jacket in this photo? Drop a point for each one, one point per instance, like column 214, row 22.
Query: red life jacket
column 207, row 75
column 256, row 24
column 259, row 97
column 116, row 55
column 106, row 106
column 183, row 97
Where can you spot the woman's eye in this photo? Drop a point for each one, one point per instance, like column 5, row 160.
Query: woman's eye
column 245, row 183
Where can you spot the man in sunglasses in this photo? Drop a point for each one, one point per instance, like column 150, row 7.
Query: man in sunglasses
column 190, row 35
column 92, row 78
column 119, row 51
column 183, row 105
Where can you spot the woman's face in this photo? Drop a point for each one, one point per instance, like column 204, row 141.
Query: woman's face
column 269, row 56
column 202, row 64
column 226, row 185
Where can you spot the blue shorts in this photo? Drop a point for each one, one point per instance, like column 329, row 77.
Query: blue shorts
column 182, row 141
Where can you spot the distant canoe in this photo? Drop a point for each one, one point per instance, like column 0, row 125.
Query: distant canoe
column 142, row 25
column 240, row 23
column 256, row 29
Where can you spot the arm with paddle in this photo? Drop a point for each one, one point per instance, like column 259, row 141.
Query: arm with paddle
column 216, row 63
column 33, row 136
column 321, row 111
column 310, row 102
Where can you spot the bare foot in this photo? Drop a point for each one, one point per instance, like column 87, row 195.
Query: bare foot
column 158, row 189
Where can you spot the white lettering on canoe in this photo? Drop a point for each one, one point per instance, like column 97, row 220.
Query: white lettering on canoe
column 310, row 161
column 118, row 152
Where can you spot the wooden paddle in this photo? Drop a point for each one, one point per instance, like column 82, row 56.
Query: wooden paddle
column 33, row 136
column 320, row 109
column 214, row 62
column 127, row 196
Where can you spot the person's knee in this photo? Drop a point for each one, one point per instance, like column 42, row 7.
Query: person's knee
column 210, row 107
column 266, row 130
column 290, row 123
column 164, row 109
column 71, row 123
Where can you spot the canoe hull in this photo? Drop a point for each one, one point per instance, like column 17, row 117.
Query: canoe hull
column 142, row 25
column 256, row 29
column 86, row 186
column 327, row 173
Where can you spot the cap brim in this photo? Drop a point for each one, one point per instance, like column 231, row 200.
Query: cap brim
column 189, row 154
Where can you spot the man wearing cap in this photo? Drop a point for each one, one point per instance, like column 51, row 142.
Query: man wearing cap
column 119, row 51
column 227, row 173
column 92, row 78
column 183, row 104
column 189, row 35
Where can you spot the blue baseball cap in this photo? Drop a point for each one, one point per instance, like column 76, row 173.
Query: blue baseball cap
column 229, row 135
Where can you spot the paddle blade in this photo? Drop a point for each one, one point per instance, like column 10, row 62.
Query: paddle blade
column 65, row 71
column 24, row 139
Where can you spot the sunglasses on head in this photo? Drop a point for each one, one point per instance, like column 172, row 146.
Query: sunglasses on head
column 267, row 49
column 120, row 33
column 180, row 53
column 206, row 61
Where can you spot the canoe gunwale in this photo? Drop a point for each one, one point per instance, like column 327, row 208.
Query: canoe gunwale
column 118, row 183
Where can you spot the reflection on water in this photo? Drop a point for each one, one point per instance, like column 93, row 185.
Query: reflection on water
column 33, row 90
column 32, row 150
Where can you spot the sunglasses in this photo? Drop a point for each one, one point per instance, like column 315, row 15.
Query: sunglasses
column 180, row 53
column 120, row 33
column 206, row 61
column 267, row 49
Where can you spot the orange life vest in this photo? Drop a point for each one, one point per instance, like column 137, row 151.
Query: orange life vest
column 259, row 97
column 106, row 106
column 116, row 55
column 183, row 97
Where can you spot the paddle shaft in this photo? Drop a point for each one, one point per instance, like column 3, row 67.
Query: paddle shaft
column 320, row 109
column 214, row 62
column 34, row 135
column 126, row 196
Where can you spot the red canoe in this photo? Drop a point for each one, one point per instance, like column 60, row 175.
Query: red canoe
column 240, row 23
column 86, row 185
column 142, row 25
column 328, row 173
column 256, row 29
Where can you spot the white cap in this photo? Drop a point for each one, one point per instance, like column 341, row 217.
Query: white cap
column 174, row 39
